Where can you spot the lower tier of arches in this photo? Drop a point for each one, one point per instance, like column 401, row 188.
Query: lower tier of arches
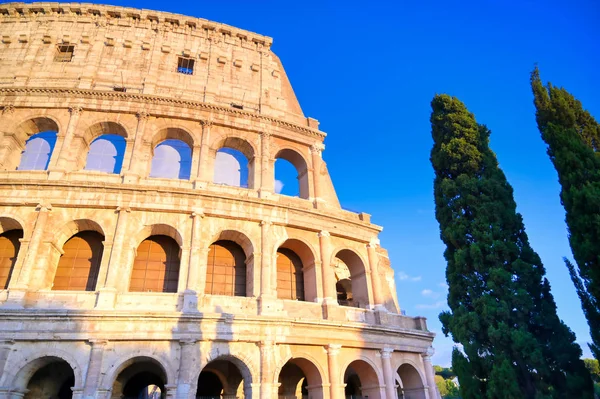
column 202, row 369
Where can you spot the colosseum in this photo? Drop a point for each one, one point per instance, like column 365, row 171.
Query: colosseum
column 146, row 247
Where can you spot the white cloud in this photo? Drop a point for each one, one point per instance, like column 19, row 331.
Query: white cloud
column 278, row 186
column 437, row 305
column 430, row 294
column 443, row 285
column 403, row 277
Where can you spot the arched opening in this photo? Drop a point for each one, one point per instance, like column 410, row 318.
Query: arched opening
column 79, row 264
column 106, row 154
column 226, row 270
column 231, row 168
column 351, row 279
column 37, row 152
column 142, row 378
column 361, row 381
column 411, row 385
column 224, row 379
column 299, row 378
column 51, row 377
column 291, row 174
column 306, row 265
column 156, row 265
column 290, row 277
column 9, row 250
column 172, row 160
column 234, row 163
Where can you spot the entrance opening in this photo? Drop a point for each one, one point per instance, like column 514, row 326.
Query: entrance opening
column 361, row 381
column 299, row 378
column 54, row 379
column 411, row 386
column 9, row 250
column 222, row 379
column 144, row 378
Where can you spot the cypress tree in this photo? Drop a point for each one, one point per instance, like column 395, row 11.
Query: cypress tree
column 514, row 346
column 573, row 138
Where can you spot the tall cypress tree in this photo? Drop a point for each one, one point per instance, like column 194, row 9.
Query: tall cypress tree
column 573, row 139
column 514, row 346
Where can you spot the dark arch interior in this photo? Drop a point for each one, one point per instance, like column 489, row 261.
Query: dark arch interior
column 220, row 379
column 344, row 292
column 54, row 380
column 139, row 380
column 9, row 250
column 293, row 382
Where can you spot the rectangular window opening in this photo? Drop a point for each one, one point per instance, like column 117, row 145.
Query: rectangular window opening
column 119, row 88
column 185, row 65
column 64, row 53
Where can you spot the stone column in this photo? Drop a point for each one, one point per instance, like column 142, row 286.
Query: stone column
column 329, row 294
column 265, row 260
column 133, row 164
column 194, row 166
column 5, row 349
column 92, row 378
column 203, row 175
column 10, row 147
column 22, row 280
column 64, row 155
column 190, row 296
column 267, row 349
column 266, row 172
column 108, row 292
column 375, row 276
column 429, row 374
column 336, row 387
column 315, row 151
column 388, row 373
column 188, row 351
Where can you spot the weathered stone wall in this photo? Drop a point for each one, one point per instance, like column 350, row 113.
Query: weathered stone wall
column 105, row 333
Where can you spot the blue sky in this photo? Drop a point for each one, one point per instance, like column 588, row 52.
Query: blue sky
column 368, row 70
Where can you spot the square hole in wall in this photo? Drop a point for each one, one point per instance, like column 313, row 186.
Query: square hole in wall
column 64, row 53
column 185, row 65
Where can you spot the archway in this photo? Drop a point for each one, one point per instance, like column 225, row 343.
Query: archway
column 361, row 381
column 226, row 269
column 47, row 377
column 291, row 177
column 290, row 278
column 156, row 265
column 224, row 378
column 301, row 260
column 234, row 163
column 37, row 152
column 411, row 385
column 172, row 159
column 142, row 377
column 351, row 279
column 106, row 154
column 79, row 264
column 299, row 378
column 9, row 251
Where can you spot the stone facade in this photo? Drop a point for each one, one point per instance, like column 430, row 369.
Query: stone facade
column 85, row 70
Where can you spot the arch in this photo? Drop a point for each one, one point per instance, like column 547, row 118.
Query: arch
column 171, row 159
column 290, row 275
column 226, row 269
column 100, row 128
column 362, row 379
column 156, row 229
column 299, row 163
column 412, row 386
column 10, row 222
column 173, row 133
column 156, row 265
column 74, row 227
column 355, row 285
column 10, row 245
column 233, row 162
column 79, row 264
column 234, row 375
column 106, row 153
column 127, row 359
column 31, row 361
column 238, row 237
column 38, row 150
column 310, row 371
column 137, row 373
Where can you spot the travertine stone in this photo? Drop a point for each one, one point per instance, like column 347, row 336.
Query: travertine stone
column 123, row 79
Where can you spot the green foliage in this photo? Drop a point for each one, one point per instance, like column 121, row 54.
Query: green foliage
column 594, row 368
column 447, row 388
column 514, row 346
column 445, row 373
column 573, row 139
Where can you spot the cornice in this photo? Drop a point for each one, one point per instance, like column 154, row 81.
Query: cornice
column 157, row 100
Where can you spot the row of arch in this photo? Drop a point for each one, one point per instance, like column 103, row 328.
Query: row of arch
column 171, row 156
column 157, row 258
column 226, row 376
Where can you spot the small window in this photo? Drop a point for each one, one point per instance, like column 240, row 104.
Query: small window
column 185, row 66
column 120, row 88
column 64, row 53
